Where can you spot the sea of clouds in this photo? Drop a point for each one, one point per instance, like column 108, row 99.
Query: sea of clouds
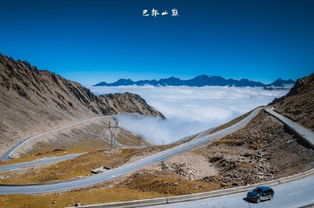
column 188, row 109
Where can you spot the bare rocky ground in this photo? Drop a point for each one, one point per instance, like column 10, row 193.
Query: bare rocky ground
column 188, row 165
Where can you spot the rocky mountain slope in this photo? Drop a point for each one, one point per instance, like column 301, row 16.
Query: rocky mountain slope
column 199, row 81
column 33, row 100
column 128, row 102
column 298, row 104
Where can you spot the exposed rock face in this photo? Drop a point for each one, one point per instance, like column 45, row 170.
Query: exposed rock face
column 183, row 169
column 298, row 104
column 128, row 102
column 33, row 100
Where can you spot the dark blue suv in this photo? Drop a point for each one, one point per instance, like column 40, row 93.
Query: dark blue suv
column 260, row 193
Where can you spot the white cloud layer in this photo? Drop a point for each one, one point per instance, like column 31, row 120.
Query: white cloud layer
column 188, row 109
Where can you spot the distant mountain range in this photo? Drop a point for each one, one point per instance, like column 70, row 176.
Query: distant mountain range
column 200, row 81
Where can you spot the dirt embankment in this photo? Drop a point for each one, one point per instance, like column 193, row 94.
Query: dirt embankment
column 298, row 104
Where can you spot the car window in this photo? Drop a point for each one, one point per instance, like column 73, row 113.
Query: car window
column 258, row 190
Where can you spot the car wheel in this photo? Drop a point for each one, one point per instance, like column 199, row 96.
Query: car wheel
column 258, row 200
column 270, row 197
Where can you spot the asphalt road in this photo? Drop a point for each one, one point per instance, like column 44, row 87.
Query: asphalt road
column 42, row 161
column 7, row 154
column 128, row 168
column 287, row 195
column 306, row 134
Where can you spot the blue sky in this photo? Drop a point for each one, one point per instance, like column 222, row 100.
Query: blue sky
column 103, row 40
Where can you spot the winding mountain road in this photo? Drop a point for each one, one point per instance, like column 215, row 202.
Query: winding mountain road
column 7, row 154
column 42, row 161
column 128, row 168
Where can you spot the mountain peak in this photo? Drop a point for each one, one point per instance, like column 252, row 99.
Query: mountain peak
column 202, row 76
column 282, row 83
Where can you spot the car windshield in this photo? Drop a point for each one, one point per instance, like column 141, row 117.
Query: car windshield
column 258, row 190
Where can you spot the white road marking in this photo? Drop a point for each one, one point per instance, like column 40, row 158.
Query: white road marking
column 294, row 193
column 15, row 169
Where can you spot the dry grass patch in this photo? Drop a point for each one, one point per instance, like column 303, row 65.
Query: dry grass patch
column 229, row 142
column 69, row 169
column 48, row 150
column 77, row 167
column 168, row 184
column 84, row 197
column 135, row 187
column 127, row 138
column 257, row 145
column 44, row 148
column 31, row 157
